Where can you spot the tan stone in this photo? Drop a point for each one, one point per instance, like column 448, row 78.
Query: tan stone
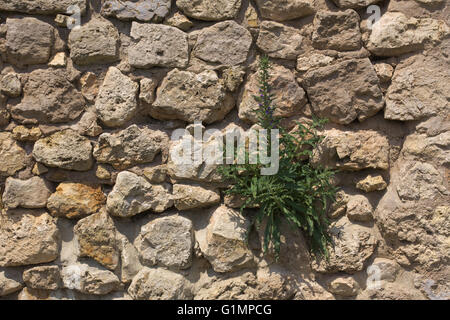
column 22, row 133
column 187, row 197
column 371, row 183
column 42, row 278
column 12, row 155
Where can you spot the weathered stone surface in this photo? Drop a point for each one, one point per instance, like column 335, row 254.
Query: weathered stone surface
column 223, row 242
column 344, row 286
column 395, row 34
column 233, row 77
column 371, row 183
column 159, row 284
column 94, row 42
column 10, row 85
column 384, row 71
column 280, row 41
column 354, row 245
column 8, row 284
column 116, row 101
column 48, row 98
column 89, row 86
column 353, row 150
column 133, row 194
column 166, row 242
column 359, row 209
column 384, row 269
column 339, row 207
column 285, row 9
column 59, row 60
column 337, row 30
column 147, row 92
column 354, row 4
column 131, row 146
column 191, row 97
column 28, row 41
column 22, row 133
column 4, row 114
column 12, row 155
column 344, row 91
column 289, row 97
column 187, row 197
column 312, row 60
column 27, row 238
column 32, row 193
column 64, row 149
column 224, row 43
column 88, row 125
column 76, row 200
column 96, row 236
column 129, row 259
column 41, row 6
column 179, row 21
column 210, row 10
column 42, row 277
column 142, row 10
column 157, row 46
column 89, row 280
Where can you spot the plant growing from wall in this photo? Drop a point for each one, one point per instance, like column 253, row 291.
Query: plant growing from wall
column 299, row 192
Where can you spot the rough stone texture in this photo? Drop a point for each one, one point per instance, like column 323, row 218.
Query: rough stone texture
column 354, row 4
column 10, row 85
column 64, row 149
column 224, row 43
column 22, row 133
column 28, row 41
column 210, row 10
column 27, row 238
column 179, row 21
column 285, row 9
column 384, row 71
column 142, row 10
column 4, row 114
column 75, row 200
column 157, row 46
column 359, row 209
column 166, row 242
column 41, row 6
column 337, row 30
column 131, row 146
column 32, row 193
column 191, row 97
column 8, row 284
column 289, row 97
column 147, row 92
column 97, row 239
column 280, row 41
column 116, row 101
column 344, row 286
column 133, row 194
column 344, row 91
column 89, row 280
column 187, row 197
column 94, row 42
column 371, row 183
column 159, row 284
column 43, row 277
column 13, row 156
column 48, row 98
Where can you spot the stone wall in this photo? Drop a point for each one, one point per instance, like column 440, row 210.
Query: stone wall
column 94, row 207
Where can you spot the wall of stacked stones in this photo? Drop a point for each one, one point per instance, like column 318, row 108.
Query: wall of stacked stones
column 94, row 207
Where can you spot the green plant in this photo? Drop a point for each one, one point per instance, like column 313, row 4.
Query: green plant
column 299, row 192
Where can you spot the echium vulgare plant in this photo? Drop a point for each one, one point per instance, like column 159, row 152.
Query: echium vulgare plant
column 299, row 192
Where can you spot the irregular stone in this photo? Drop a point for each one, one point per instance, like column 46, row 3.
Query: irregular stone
column 187, row 197
column 10, row 85
column 64, row 149
column 159, row 284
column 370, row 183
column 4, row 114
column 421, row 147
column 58, row 61
column 13, row 156
column 337, row 30
column 344, row 91
column 289, row 98
column 339, row 207
column 191, row 97
column 354, row 245
column 22, row 133
column 61, row 20
column 285, row 9
column 224, row 43
column 396, row 34
column 353, row 150
column 28, row 41
column 166, row 242
column 116, row 102
column 210, row 10
column 223, row 242
column 384, row 71
column 133, row 194
column 147, row 90
column 96, row 236
column 88, row 125
column 76, row 200
column 158, row 46
column 42, row 278
column 251, row 20
column 8, row 285
column 344, row 286
column 354, row 4
column 129, row 259
column 359, row 209
column 156, row 174
column 280, row 41
column 310, row 60
column 89, row 86
column 384, row 269
column 89, row 280
column 131, row 146
column 32, row 193
column 41, row 6
column 27, row 238
column 94, row 42
column 102, row 172
column 48, row 98
column 233, row 77
column 179, row 21
column 39, row 169
column 142, row 10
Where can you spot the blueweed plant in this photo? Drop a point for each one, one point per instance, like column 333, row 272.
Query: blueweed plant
column 299, row 192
